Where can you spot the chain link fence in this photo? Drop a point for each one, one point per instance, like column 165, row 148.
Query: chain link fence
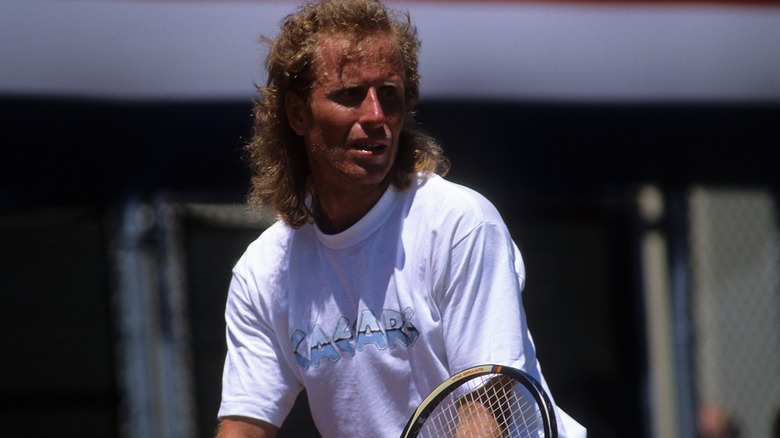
column 735, row 268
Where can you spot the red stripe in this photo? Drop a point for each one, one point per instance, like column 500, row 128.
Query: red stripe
column 606, row 2
column 603, row 2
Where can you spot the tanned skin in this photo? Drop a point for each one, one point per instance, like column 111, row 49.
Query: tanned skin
column 240, row 427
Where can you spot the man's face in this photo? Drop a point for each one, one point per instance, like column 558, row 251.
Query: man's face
column 354, row 114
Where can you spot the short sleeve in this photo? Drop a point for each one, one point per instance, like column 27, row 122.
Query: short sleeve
column 484, row 319
column 257, row 382
column 483, row 312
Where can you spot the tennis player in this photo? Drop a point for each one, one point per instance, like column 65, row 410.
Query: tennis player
column 381, row 278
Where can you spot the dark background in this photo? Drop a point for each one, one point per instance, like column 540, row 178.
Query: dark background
column 564, row 176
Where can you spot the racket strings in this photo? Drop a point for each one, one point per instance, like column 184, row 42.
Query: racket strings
column 486, row 407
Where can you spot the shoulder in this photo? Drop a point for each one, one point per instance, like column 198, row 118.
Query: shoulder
column 263, row 272
column 272, row 238
column 266, row 254
column 438, row 197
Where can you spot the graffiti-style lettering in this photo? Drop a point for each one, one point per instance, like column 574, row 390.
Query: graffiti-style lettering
column 394, row 328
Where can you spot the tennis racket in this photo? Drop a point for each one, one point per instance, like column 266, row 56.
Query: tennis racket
column 485, row 401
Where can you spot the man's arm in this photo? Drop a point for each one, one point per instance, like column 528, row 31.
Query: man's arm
column 241, row 427
column 483, row 412
column 476, row 419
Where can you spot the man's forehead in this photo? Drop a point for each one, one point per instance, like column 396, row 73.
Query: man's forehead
column 336, row 52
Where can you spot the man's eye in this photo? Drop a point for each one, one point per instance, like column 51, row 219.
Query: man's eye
column 389, row 92
column 349, row 92
column 348, row 96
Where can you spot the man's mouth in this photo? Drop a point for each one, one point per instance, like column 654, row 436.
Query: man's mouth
column 370, row 147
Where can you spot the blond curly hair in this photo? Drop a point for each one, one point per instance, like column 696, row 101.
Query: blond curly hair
column 279, row 167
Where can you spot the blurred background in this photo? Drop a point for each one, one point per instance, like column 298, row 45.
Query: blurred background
column 630, row 146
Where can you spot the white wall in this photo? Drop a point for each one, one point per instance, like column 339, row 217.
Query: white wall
column 500, row 50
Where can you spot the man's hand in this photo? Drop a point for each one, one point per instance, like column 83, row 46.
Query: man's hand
column 482, row 413
column 477, row 420
column 242, row 427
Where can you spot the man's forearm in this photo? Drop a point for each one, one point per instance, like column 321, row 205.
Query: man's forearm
column 477, row 420
column 240, row 427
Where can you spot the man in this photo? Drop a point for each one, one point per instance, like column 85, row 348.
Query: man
column 381, row 279
column 714, row 422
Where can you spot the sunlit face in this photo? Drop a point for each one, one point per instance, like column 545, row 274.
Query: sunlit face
column 354, row 114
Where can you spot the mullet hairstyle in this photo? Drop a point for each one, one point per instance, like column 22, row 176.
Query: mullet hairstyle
column 277, row 157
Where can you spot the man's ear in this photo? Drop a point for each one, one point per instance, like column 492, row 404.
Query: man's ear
column 295, row 105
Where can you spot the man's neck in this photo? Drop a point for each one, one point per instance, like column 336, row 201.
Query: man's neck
column 337, row 210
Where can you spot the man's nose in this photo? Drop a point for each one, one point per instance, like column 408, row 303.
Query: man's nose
column 372, row 114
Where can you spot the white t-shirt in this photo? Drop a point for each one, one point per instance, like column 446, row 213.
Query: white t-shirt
column 372, row 319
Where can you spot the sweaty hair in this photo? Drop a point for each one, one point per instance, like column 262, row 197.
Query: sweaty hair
column 278, row 163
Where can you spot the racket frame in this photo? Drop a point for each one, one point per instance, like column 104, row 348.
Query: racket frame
column 426, row 407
